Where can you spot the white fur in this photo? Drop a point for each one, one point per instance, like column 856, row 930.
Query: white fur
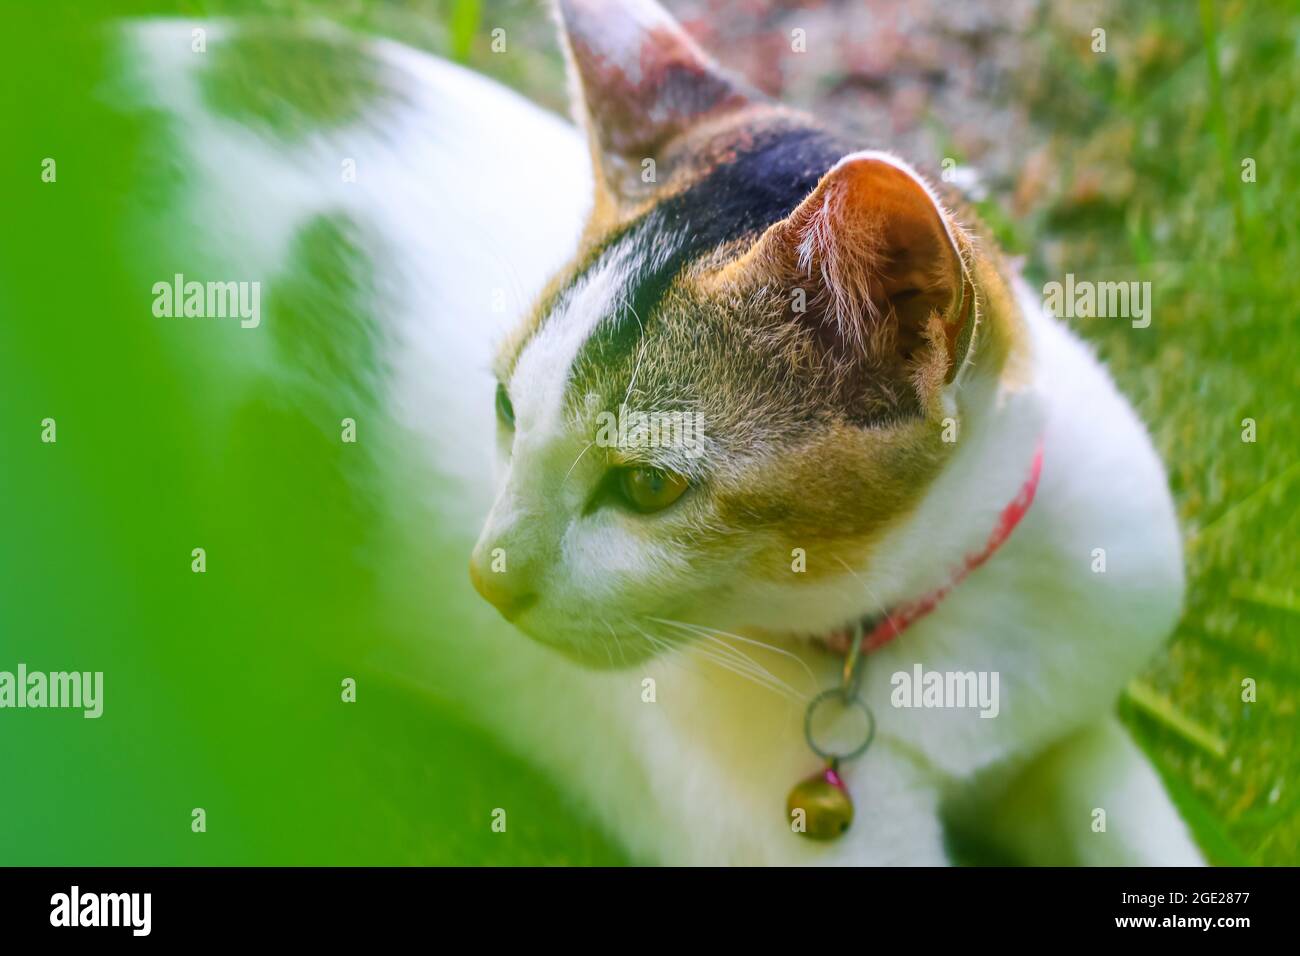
column 700, row 776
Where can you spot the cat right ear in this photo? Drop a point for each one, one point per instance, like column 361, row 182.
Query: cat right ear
column 638, row 81
column 880, row 267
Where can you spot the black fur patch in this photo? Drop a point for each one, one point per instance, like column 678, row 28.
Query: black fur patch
column 761, row 186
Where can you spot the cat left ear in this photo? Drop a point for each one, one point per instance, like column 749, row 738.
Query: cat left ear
column 880, row 266
column 639, row 81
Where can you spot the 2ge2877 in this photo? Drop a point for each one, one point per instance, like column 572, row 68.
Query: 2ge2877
column 1219, row 896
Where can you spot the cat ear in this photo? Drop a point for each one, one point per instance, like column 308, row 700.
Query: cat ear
column 638, row 81
column 879, row 266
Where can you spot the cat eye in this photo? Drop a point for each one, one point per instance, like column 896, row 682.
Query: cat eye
column 505, row 410
column 650, row 489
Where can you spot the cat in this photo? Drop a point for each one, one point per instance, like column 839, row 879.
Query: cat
column 821, row 432
column 825, row 317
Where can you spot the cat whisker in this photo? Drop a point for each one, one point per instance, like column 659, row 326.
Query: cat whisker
column 734, row 654
column 584, row 451
column 739, row 663
column 668, row 650
column 655, row 645
column 631, row 382
column 764, row 645
column 608, row 652
column 879, row 606
column 728, row 665
column 660, row 645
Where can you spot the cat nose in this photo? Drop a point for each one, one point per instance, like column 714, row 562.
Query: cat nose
column 502, row 591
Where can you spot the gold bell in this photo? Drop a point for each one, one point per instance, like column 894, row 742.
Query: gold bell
column 821, row 803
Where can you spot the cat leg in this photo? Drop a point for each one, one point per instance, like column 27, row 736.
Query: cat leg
column 1091, row 799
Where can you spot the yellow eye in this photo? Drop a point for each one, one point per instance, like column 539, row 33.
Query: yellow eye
column 651, row 489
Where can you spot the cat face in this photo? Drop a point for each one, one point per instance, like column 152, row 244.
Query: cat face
column 714, row 413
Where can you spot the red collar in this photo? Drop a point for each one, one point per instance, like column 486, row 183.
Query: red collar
column 876, row 635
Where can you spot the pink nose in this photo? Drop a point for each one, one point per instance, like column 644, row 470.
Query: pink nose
column 502, row 592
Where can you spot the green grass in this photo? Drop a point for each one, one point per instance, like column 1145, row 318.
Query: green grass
column 1191, row 94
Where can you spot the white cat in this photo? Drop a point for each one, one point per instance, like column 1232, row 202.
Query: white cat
column 479, row 196
column 739, row 213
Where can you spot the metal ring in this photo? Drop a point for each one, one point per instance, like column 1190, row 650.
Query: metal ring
column 849, row 701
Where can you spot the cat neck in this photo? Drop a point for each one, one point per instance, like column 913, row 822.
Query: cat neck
column 1000, row 421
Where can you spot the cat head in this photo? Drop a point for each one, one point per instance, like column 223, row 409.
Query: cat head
column 748, row 361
